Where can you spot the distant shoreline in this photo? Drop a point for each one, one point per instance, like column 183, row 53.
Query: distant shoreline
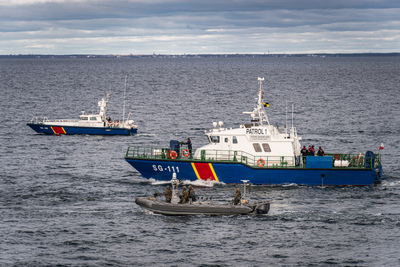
column 202, row 55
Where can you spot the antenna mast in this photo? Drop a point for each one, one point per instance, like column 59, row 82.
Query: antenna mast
column 259, row 114
column 292, row 115
column 286, row 115
column 262, row 115
column 123, row 111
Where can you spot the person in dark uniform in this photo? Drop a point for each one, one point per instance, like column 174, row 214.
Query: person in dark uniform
column 304, row 154
column 192, row 196
column 168, row 194
column 238, row 196
column 185, row 195
column 320, row 152
column 189, row 145
column 311, row 151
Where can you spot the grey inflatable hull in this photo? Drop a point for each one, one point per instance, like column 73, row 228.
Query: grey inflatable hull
column 195, row 208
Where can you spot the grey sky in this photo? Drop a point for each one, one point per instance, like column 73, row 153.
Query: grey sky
column 198, row 27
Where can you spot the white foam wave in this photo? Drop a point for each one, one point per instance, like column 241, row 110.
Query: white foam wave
column 202, row 183
column 198, row 183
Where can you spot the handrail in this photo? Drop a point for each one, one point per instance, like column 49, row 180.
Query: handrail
column 34, row 120
column 153, row 152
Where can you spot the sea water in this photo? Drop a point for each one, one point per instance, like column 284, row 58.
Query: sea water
column 69, row 200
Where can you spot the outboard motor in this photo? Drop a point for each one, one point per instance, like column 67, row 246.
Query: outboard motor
column 262, row 208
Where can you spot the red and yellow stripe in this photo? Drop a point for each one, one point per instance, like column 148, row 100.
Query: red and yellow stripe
column 58, row 130
column 204, row 171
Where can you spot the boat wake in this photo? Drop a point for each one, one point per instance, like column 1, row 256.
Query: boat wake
column 203, row 183
column 197, row 183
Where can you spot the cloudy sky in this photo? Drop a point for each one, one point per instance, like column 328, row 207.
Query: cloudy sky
column 198, row 26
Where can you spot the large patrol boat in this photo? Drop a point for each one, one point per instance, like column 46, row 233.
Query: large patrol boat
column 257, row 151
column 96, row 124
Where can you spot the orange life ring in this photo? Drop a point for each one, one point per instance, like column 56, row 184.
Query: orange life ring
column 186, row 152
column 260, row 163
column 116, row 123
column 358, row 160
column 172, row 154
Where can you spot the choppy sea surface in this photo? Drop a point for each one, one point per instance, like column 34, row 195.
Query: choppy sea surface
column 69, row 200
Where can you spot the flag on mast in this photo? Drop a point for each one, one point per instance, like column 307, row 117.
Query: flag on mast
column 381, row 147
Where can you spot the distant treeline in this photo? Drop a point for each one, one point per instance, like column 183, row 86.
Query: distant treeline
column 205, row 55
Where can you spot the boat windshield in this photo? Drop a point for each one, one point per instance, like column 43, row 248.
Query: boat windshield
column 214, row 139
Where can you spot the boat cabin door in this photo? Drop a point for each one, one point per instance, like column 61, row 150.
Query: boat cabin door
column 226, row 143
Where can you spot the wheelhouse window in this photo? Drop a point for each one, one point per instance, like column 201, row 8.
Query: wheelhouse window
column 93, row 118
column 257, row 147
column 266, row 147
column 214, row 139
column 84, row 118
column 234, row 140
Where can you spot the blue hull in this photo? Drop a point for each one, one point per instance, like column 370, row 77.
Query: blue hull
column 55, row 129
column 235, row 172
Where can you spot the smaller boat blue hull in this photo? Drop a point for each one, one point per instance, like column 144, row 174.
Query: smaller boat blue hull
column 235, row 172
column 56, row 129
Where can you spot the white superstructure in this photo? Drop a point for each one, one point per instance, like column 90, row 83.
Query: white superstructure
column 258, row 141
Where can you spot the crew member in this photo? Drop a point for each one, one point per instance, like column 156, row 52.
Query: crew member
column 192, row 196
column 304, row 154
column 310, row 151
column 320, row 152
column 168, row 194
column 185, row 195
column 238, row 196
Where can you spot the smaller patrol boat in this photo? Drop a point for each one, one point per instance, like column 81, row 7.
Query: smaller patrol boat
column 207, row 207
column 93, row 124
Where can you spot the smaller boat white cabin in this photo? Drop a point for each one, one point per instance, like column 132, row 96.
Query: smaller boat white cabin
column 99, row 120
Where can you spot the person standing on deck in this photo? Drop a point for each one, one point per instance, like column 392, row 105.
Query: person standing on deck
column 168, row 194
column 238, row 196
column 304, row 154
column 311, row 151
column 192, row 196
column 320, row 152
column 185, row 195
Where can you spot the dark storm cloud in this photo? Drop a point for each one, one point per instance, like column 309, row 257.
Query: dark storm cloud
column 70, row 10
